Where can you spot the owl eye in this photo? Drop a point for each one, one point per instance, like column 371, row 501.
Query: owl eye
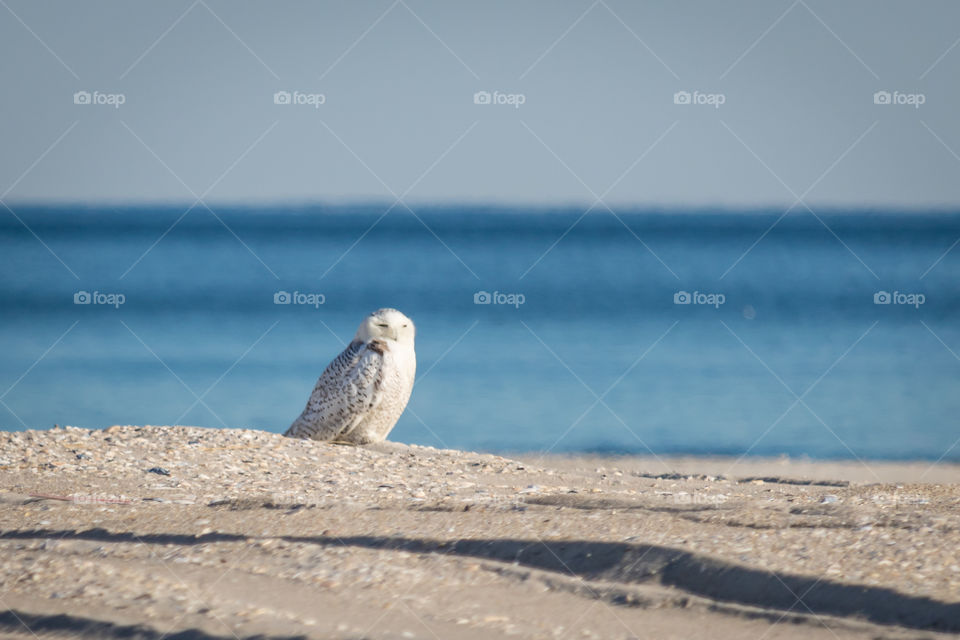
column 404, row 325
column 383, row 325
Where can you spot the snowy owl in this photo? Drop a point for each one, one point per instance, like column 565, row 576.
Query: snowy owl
column 361, row 394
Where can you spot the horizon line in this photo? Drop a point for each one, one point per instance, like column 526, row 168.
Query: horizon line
column 503, row 205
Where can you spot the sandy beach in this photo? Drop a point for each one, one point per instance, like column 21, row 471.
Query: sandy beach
column 185, row 532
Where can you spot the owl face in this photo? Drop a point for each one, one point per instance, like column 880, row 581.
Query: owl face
column 387, row 324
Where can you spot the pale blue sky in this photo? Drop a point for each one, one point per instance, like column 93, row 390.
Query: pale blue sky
column 598, row 119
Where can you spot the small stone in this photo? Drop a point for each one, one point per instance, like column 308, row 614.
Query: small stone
column 158, row 470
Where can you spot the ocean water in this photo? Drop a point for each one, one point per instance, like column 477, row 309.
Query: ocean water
column 582, row 347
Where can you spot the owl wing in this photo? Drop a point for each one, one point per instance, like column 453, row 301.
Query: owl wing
column 345, row 393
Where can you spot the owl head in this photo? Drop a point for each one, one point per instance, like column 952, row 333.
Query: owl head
column 387, row 324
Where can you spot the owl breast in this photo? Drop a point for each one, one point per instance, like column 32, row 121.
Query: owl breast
column 394, row 386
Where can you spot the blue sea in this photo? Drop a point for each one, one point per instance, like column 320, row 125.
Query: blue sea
column 674, row 332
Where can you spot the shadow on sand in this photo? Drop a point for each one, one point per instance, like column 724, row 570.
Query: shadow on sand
column 625, row 564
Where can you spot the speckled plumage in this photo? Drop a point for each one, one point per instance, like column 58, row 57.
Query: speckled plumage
column 361, row 394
